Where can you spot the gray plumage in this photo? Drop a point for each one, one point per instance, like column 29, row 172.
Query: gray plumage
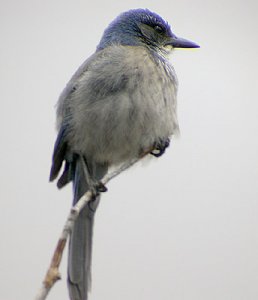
column 120, row 103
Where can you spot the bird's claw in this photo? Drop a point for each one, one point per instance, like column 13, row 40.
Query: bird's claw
column 101, row 188
column 97, row 188
column 160, row 147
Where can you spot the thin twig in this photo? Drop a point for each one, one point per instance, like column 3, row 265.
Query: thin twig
column 122, row 168
column 53, row 274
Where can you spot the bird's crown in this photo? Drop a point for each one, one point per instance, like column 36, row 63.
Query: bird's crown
column 135, row 27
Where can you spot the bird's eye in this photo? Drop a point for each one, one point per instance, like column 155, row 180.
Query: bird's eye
column 158, row 29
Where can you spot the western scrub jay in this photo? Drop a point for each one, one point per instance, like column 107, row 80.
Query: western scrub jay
column 119, row 104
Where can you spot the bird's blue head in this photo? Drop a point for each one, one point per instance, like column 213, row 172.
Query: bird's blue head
column 141, row 27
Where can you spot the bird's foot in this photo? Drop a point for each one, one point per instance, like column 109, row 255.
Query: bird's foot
column 159, row 148
column 100, row 187
column 97, row 187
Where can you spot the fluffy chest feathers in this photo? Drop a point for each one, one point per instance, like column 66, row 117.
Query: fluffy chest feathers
column 121, row 101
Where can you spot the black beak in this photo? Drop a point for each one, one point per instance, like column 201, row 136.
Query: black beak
column 178, row 42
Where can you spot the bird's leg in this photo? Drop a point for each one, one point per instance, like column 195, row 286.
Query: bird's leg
column 94, row 186
column 86, row 172
column 159, row 147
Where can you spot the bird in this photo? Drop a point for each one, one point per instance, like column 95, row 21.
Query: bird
column 120, row 104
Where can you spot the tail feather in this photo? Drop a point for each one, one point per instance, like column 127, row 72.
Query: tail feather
column 80, row 255
column 80, row 246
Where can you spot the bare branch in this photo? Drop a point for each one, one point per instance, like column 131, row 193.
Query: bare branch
column 53, row 274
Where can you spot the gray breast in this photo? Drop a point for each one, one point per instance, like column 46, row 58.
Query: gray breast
column 124, row 103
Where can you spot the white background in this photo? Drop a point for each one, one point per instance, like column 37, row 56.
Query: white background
column 183, row 227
